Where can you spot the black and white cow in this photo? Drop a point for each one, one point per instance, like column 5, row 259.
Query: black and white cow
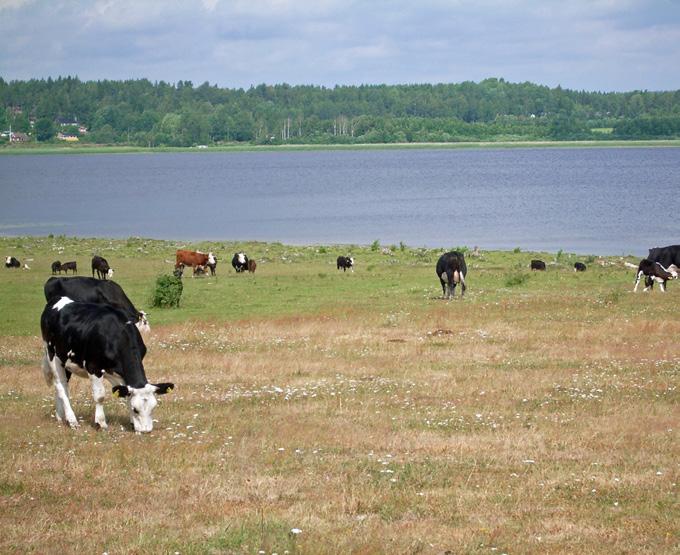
column 73, row 265
column 92, row 290
column 451, row 270
column 101, row 266
column 240, row 262
column 538, row 265
column 654, row 271
column 579, row 267
column 98, row 341
column 11, row 262
column 345, row 262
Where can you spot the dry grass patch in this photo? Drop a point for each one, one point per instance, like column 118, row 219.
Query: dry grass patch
column 476, row 427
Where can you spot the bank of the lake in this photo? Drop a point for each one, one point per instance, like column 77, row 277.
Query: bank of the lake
column 70, row 148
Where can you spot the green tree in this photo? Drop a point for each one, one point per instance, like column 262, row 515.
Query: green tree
column 44, row 129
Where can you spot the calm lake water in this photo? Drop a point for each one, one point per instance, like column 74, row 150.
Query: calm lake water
column 591, row 200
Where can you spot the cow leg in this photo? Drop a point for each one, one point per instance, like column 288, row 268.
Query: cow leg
column 463, row 287
column 64, row 410
column 441, row 280
column 637, row 281
column 98, row 393
column 662, row 286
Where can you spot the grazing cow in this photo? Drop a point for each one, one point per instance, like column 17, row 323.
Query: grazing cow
column 240, row 262
column 56, row 267
column 179, row 271
column 66, row 266
column 538, row 265
column 579, row 267
column 101, row 266
column 11, row 262
column 194, row 259
column 654, row 271
column 252, row 266
column 345, row 262
column 97, row 341
column 451, row 270
column 91, row 290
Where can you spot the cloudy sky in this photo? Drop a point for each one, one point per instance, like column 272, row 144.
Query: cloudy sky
column 605, row 45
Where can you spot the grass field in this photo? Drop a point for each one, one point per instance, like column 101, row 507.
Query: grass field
column 538, row 415
column 239, row 147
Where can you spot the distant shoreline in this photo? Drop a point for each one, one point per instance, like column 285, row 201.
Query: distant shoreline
column 111, row 149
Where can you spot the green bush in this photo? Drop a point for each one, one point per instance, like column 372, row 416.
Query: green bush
column 516, row 279
column 375, row 245
column 168, row 291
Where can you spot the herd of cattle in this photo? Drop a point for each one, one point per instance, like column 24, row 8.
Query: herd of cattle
column 91, row 328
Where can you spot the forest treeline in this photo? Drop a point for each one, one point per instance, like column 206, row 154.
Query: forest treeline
column 141, row 112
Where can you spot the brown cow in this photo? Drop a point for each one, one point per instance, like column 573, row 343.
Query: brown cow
column 194, row 259
column 252, row 265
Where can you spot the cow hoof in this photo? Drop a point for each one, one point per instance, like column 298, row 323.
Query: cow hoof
column 101, row 425
column 73, row 424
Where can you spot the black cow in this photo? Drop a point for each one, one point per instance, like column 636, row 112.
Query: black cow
column 240, row 262
column 579, row 267
column 92, row 290
column 665, row 255
column 11, row 262
column 538, row 265
column 654, row 271
column 66, row 266
column 97, row 341
column 101, row 266
column 345, row 262
column 56, row 267
column 451, row 270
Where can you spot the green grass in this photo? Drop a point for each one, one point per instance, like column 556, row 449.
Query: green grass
column 116, row 149
column 289, row 280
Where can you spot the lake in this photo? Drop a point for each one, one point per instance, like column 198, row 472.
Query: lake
column 583, row 200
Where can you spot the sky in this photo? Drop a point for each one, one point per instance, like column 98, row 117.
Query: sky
column 593, row 45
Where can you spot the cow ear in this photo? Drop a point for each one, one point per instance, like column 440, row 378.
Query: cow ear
column 120, row 391
column 163, row 388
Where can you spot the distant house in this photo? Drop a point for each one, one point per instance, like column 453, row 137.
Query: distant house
column 66, row 137
column 19, row 138
column 72, row 122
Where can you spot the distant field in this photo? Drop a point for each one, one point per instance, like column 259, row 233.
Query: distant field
column 538, row 415
column 236, row 147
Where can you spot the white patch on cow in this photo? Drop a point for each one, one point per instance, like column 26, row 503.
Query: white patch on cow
column 456, row 276
column 211, row 258
column 8, row 260
column 143, row 323
column 444, row 276
column 241, row 258
column 141, row 403
column 61, row 303
column 109, row 274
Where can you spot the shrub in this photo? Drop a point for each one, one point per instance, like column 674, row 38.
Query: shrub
column 375, row 245
column 402, row 246
column 322, row 250
column 168, row 291
column 516, row 250
column 516, row 279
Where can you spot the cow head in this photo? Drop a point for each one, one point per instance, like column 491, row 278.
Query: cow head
column 241, row 258
column 351, row 261
column 141, row 402
column 143, row 322
column 211, row 259
column 8, row 260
